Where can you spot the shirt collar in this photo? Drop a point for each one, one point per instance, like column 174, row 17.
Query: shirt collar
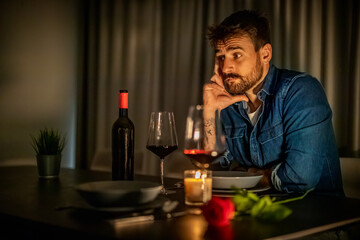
column 269, row 86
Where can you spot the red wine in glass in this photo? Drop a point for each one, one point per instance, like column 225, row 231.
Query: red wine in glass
column 201, row 158
column 204, row 137
column 162, row 139
column 161, row 151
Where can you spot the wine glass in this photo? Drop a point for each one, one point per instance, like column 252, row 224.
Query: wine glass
column 204, row 136
column 162, row 139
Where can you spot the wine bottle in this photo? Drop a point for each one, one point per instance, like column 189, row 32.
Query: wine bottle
column 123, row 133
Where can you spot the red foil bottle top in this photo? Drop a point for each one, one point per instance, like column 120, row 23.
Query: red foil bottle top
column 123, row 100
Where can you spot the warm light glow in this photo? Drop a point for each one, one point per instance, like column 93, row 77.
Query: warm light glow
column 196, row 134
column 199, row 107
column 198, row 184
column 195, row 226
column 189, row 128
column 214, row 154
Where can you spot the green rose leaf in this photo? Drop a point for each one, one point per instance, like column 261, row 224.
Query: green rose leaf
column 274, row 212
column 242, row 204
column 262, row 208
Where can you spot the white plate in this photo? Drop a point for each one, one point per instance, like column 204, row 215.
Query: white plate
column 226, row 179
column 118, row 193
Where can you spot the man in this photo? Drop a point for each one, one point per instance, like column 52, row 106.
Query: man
column 276, row 121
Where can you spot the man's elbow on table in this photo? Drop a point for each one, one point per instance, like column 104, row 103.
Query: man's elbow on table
column 296, row 184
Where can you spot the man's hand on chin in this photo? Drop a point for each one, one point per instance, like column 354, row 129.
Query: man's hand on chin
column 215, row 95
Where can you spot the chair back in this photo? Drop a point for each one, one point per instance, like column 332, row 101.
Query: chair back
column 350, row 170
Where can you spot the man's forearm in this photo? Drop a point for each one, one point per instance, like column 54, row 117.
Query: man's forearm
column 209, row 128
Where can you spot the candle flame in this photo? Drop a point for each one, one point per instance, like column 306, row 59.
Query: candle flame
column 196, row 134
column 197, row 174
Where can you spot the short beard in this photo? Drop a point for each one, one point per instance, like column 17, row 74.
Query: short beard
column 246, row 82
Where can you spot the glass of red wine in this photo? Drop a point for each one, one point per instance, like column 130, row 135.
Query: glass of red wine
column 204, row 136
column 162, row 139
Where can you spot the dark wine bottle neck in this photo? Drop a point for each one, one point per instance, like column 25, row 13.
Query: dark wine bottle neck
column 123, row 112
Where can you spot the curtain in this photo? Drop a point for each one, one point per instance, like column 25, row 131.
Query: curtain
column 157, row 50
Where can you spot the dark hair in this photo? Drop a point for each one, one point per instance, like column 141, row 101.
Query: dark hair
column 239, row 23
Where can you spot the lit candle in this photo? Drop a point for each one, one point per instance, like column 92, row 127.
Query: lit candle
column 198, row 184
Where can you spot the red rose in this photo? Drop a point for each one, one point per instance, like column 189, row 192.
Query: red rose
column 218, row 211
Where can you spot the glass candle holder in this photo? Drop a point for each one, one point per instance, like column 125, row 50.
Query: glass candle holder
column 198, row 185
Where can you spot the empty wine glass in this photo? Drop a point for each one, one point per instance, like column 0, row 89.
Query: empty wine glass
column 204, row 136
column 162, row 139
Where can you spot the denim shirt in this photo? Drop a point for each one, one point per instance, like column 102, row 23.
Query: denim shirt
column 293, row 134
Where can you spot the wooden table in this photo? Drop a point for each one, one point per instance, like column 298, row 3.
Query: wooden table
column 29, row 210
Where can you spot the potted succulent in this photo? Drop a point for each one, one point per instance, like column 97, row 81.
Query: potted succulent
column 48, row 145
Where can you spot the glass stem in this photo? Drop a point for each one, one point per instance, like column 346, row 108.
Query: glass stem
column 162, row 174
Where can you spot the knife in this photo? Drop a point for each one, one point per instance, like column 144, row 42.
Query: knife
column 164, row 214
column 145, row 218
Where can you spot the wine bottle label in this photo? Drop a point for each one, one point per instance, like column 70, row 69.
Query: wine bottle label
column 123, row 100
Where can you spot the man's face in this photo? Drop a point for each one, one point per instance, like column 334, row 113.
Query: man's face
column 240, row 66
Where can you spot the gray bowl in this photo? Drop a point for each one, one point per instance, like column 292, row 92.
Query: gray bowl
column 118, row 193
